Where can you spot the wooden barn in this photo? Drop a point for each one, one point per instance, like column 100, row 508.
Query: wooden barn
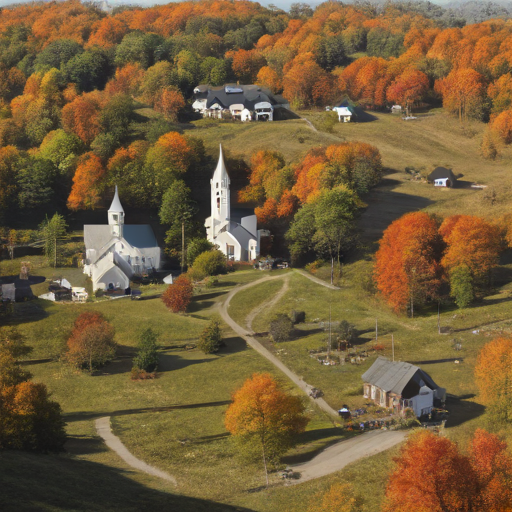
column 399, row 386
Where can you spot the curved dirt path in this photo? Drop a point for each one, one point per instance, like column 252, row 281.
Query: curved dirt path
column 114, row 443
column 341, row 454
column 256, row 345
column 315, row 279
column 267, row 304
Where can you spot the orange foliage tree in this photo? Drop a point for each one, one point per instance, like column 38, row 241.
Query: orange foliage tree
column 339, row 498
column 87, row 183
column 408, row 88
column 471, row 242
column 91, row 343
column 81, row 117
column 263, row 415
column 407, row 267
column 502, row 126
column 432, row 475
column 169, row 102
column 267, row 77
column 246, row 65
column 178, row 295
column 463, row 92
column 127, row 80
column 493, row 373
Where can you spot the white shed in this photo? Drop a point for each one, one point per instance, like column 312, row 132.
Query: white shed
column 344, row 114
column 246, row 115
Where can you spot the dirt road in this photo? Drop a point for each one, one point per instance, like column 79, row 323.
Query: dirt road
column 339, row 455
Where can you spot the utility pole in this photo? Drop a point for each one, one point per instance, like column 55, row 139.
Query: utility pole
column 438, row 318
column 182, row 246
column 330, row 333
column 55, row 254
column 393, row 346
column 376, row 329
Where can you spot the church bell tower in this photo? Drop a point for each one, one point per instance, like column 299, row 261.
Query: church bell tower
column 116, row 216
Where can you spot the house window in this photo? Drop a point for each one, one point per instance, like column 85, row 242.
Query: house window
column 216, row 185
column 230, row 251
column 218, row 203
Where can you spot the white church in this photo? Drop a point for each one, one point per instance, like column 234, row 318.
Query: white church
column 237, row 237
column 116, row 252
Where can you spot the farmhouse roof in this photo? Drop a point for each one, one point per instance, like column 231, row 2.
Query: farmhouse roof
column 393, row 376
column 442, row 172
column 231, row 94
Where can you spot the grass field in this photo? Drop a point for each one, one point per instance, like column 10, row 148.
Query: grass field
column 189, row 440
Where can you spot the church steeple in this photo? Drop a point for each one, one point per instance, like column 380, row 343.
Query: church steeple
column 220, row 195
column 116, row 216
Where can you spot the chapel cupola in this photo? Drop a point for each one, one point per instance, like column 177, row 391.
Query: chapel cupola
column 116, row 216
column 221, row 210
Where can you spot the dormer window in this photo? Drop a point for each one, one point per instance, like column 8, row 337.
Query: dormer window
column 115, row 217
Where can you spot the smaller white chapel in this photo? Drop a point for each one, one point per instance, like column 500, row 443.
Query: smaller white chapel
column 116, row 252
column 236, row 236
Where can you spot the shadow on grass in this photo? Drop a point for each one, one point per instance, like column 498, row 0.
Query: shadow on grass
column 199, row 305
column 233, row 345
column 87, row 415
column 462, row 409
column 435, row 361
column 317, row 441
column 58, row 483
column 82, row 445
column 170, row 362
column 207, row 296
column 29, row 311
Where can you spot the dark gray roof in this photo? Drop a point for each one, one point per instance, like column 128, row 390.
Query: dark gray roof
column 442, row 172
column 137, row 235
column 239, row 232
column 236, row 214
column 250, row 95
column 392, row 376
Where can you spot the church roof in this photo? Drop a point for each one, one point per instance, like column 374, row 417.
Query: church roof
column 116, row 204
column 220, row 172
column 137, row 235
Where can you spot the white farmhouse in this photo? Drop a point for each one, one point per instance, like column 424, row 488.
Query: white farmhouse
column 116, row 252
column 237, row 238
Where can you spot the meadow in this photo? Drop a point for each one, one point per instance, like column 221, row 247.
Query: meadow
column 186, row 435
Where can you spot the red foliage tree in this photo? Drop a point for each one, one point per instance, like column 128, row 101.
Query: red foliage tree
column 408, row 88
column 91, row 343
column 81, row 117
column 432, row 475
column 246, row 65
column 178, row 295
column 406, row 267
column 267, row 77
column 502, row 126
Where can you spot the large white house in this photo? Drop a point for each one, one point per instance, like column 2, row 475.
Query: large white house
column 114, row 253
column 236, row 236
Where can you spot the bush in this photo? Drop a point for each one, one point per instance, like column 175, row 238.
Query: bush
column 281, row 328
column 210, row 263
column 211, row 282
column 346, row 331
column 138, row 374
column 178, row 295
column 196, row 247
column 211, row 338
column 147, row 351
column 314, row 266
column 91, row 343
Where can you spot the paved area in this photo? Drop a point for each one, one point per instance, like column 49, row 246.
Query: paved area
column 341, row 454
column 115, row 444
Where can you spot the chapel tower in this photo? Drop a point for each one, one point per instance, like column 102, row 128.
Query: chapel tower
column 116, row 216
column 220, row 196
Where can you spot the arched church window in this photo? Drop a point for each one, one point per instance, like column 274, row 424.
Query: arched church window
column 218, row 203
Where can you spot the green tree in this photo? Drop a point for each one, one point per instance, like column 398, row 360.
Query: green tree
column 62, row 149
column 89, row 70
column 36, row 183
column 196, row 247
column 116, row 116
column 176, row 210
column 210, row 339
column 147, row 351
column 51, row 232
column 137, row 47
column 461, row 286
column 300, row 234
column 57, row 53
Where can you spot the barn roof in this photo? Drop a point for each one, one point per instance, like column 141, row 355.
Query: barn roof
column 393, row 376
column 442, row 172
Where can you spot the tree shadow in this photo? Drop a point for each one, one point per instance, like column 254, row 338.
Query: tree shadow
column 48, row 482
column 91, row 415
column 385, row 206
column 170, row 362
column 462, row 410
column 362, row 116
column 234, row 345
column 331, row 435
column 30, row 311
column 207, row 296
column 198, row 305
column 436, row 361
column 83, row 444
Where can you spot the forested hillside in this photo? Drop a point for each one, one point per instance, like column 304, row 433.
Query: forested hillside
column 73, row 81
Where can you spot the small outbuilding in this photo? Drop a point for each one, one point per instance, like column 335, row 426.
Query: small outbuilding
column 398, row 386
column 344, row 114
column 442, row 177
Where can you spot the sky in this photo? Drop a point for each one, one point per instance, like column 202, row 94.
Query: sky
column 282, row 4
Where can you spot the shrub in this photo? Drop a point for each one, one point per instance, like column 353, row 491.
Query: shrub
column 138, row 374
column 210, row 263
column 178, row 295
column 298, row 317
column 281, row 328
column 211, row 338
column 147, row 351
column 196, row 247
column 346, row 331
column 91, row 343
column 211, row 281
column 314, row 266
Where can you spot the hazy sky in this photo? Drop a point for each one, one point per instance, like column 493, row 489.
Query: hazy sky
column 283, row 4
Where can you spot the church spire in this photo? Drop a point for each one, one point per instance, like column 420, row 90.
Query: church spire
column 116, row 216
column 221, row 208
column 221, row 174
